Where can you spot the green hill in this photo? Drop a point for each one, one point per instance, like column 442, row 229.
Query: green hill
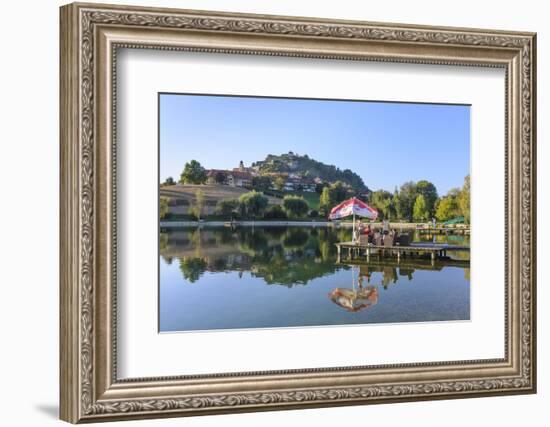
column 308, row 168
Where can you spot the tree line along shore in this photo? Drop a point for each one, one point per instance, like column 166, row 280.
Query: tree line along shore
column 195, row 197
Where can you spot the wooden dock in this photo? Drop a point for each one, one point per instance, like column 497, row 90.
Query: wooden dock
column 433, row 251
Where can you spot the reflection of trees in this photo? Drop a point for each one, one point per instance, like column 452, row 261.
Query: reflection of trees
column 280, row 255
column 296, row 261
column 275, row 266
column 252, row 239
column 163, row 242
column 253, row 242
column 406, row 272
column 196, row 238
column 389, row 275
column 225, row 236
column 295, row 238
column 192, row 268
column 327, row 238
column 297, row 268
column 164, row 248
column 275, row 232
column 168, row 259
column 220, row 264
column 392, row 269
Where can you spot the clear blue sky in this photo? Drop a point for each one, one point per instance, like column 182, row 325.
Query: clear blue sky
column 387, row 144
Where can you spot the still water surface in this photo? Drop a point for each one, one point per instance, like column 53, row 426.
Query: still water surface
column 258, row 277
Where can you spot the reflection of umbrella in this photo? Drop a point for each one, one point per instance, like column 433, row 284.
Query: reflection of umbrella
column 353, row 207
column 355, row 299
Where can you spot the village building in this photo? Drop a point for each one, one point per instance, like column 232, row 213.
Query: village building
column 239, row 179
column 242, row 176
column 290, row 185
column 216, row 176
column 309, row 186
column 299, row 184
column 242, row 168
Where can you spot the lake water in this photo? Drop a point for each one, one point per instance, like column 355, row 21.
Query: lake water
column 267, row 277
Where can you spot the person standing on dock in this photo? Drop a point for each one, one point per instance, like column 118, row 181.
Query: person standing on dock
column 368, row 233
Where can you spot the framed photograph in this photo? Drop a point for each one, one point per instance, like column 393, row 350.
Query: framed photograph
column 266, row 212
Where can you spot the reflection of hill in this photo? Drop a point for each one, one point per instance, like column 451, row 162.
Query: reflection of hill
column 285, row 256
column 292, row 267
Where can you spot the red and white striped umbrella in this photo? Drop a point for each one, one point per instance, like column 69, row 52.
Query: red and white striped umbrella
column 353, row 206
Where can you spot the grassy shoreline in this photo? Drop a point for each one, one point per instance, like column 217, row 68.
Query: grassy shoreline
column 304, row 222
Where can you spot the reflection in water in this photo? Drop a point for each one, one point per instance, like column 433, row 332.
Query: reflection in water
column 358, row 297
column 192, row 268
column 355, row 299
column 279, row 255
column 364, row 290
column 280, row 276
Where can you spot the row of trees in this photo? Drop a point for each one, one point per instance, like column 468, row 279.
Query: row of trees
column 252, row 205
column 333, row 194
column 414, row 201
column 455, row 203
column 419, row 201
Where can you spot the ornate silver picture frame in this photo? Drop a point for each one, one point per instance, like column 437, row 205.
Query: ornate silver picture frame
column 91, row 36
